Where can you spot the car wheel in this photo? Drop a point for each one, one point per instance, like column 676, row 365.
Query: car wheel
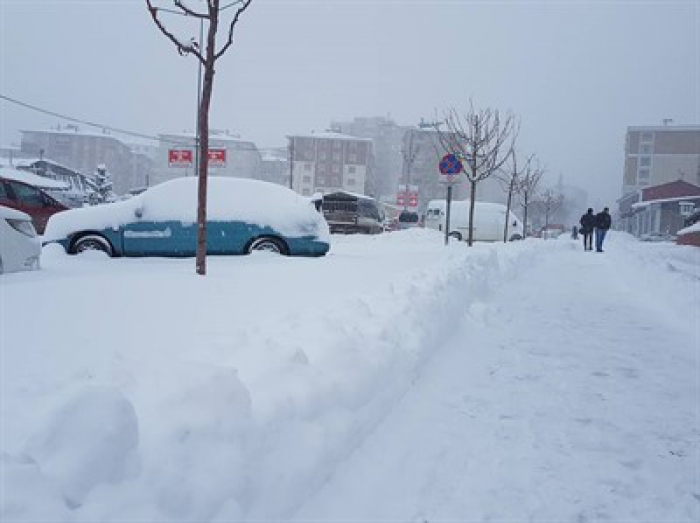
column 515, row 237
column 92, row 242
column 268, row 245
column 457, row 236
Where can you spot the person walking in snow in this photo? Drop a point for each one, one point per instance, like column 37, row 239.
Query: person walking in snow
column 602, row 225
column 587, row 222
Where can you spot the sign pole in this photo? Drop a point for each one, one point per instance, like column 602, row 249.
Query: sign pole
column 447, row 215
column 450, row 167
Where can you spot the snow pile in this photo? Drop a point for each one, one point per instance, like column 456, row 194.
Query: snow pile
column 229, row 412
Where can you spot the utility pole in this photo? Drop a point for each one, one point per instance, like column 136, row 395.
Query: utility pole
column 291, row 162
column 408, row 158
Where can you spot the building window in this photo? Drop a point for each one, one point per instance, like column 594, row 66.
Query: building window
column 645, row 161
column 336, row 156
column 306, row 179
column 351, row 170
column 307, row 166
column 306, row 192
column 351, row 182
column 647, row 137
column 643, row 175
column 336, row 168
column 321, row 156
column 352, row 158
column 645, row 148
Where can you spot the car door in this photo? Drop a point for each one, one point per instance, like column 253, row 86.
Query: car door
column 32, row 201
column 143, row 237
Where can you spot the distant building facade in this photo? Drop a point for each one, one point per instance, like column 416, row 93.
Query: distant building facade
column 83, row 151
column 658, row 209
column 229, row 156
column 275, row 165
column 329, row 162
column 387, row 162
column 421, row 154
column 661, row 154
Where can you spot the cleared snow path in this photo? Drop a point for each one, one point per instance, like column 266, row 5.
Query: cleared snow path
column 571, row 394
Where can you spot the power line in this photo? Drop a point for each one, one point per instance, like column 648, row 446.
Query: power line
column 77, row 120
column 106, row 127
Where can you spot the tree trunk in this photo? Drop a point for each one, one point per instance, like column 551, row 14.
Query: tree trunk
column 525, row 205
column 508, row 203
column 472, row 205
column 204, row 151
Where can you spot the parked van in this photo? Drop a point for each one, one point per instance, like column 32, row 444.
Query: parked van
column 489, row 220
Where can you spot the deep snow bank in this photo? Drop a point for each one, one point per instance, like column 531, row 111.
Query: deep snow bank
column 239, row 421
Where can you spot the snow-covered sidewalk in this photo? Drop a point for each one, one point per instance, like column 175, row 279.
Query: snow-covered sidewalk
column 569, row 395
column 393, row 379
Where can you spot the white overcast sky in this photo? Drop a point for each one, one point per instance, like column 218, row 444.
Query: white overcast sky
column 576, row 72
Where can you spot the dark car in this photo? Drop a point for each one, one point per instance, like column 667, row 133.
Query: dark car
column 408, row 220
column 31, row 200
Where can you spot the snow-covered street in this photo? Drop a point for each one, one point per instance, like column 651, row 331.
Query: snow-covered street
column 571, row 395
column 394, row 379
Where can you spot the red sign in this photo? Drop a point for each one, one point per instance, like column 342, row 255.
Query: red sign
column 410, row 197
column 180, row 158
column 217, row 157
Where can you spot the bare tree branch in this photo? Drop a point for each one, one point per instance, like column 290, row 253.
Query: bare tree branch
column 229, row 42
column 182, row 48
column 190, row 12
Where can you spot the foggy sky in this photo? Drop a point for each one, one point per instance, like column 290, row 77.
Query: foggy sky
column 577, row 73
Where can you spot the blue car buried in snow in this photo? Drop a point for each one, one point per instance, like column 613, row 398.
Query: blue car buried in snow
column 242, row 216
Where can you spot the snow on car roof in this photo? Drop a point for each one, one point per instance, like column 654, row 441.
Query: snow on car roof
column 252, row 201
column 690, row 229
column 41, row 182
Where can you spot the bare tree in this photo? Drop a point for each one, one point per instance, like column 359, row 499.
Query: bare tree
column 207, row 58
column 551, row 201
column 510, row 179
column 527, row 185
column 482, row 140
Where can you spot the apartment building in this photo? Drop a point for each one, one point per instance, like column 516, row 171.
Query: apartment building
column 328, row 162
column 386, row 164
column 656, row 155
column 83, row 151
column 275, row 165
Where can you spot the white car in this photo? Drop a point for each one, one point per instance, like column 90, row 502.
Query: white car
column 20, row 247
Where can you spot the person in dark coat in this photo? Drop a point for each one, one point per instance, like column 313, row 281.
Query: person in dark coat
column 587, row 225
column 602, row 225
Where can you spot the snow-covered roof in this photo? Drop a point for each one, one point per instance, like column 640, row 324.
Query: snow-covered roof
column 42, row 182
column 640, row 205
column 212, row 137
column 329, row 135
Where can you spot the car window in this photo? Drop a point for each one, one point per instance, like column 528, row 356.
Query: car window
column 3, row 192
column 27, row 195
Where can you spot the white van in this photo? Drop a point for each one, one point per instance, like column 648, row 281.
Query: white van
column 489, row 220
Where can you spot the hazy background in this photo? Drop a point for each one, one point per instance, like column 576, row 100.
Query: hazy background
column 577, row 73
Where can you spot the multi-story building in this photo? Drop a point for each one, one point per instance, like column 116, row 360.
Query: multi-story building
column 387, row 163
column 228, row 156
column 329, row 162
column 661, row 154
column 83, row 151
column 275, row 165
